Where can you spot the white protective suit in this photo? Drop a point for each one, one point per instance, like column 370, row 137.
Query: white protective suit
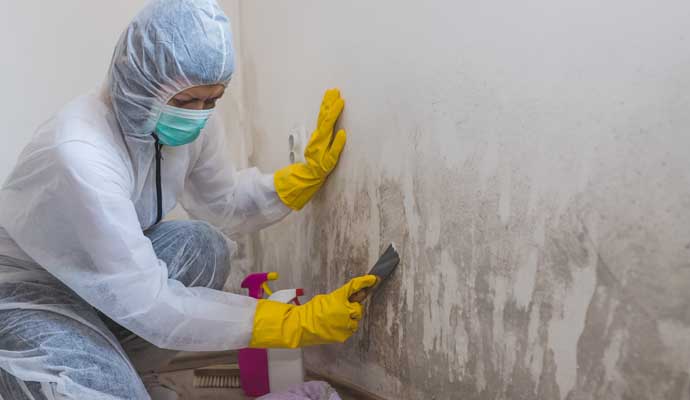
column 84, row 189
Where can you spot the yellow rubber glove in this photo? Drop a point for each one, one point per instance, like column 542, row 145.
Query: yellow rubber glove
column 296, row 184
column 325, row 319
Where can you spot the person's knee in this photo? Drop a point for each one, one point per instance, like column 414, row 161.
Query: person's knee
column 217, row 254
column 213, row 252
column 197, row 253
column 211, row 238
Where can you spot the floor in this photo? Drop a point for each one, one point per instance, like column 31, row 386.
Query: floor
column 182, row 382
column 180, row 376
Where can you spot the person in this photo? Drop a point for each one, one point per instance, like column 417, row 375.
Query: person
column 91, row 275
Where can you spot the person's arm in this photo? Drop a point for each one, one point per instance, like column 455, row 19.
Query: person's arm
column 246, row 201
column 69, row 209
column 235, row 201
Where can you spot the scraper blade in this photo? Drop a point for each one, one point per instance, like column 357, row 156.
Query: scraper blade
column 383, row 268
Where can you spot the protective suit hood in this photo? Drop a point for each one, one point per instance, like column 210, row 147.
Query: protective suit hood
column 170, row 46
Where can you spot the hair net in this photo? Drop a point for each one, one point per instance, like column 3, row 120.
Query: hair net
column 170, row 46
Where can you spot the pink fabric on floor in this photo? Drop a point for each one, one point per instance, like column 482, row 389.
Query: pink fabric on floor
column 314, row 390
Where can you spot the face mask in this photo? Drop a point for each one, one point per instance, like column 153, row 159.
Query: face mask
column 179, row 126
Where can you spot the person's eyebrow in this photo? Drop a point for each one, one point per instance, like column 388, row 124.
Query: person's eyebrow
column 184, row 97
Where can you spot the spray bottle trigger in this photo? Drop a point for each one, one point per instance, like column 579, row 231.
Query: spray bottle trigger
column 271, row 276
column 266, row 289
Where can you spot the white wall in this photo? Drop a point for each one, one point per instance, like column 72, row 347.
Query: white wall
column 52, row 52
column 529, row 158
column 532, row 161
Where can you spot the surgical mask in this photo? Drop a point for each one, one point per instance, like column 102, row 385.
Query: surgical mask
column 179, row 126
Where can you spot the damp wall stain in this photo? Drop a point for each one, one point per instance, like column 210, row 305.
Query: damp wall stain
column 488, row 308
column 539, row 194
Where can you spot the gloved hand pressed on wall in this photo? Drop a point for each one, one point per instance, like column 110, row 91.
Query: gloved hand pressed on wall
column 329, row 318
column 296, row 184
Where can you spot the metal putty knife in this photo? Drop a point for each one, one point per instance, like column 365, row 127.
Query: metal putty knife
column 383, row 268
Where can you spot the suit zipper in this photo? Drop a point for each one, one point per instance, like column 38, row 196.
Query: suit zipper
column 159, row 189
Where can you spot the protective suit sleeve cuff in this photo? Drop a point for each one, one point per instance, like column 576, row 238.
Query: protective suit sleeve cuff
column 268, row 181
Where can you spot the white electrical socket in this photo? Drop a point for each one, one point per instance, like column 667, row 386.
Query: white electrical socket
column 297, row 141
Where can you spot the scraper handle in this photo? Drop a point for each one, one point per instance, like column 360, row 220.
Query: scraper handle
column 362, row 295
column 383, row 268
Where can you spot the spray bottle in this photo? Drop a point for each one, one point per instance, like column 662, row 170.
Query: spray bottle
column 263, row 371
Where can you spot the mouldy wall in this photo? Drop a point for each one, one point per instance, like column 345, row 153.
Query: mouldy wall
column 530, row 159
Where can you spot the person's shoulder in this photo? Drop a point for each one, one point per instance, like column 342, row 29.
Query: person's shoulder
column 88, row 113
column 77, row 140
column 86, row 119
column 90, row 164
column 85, row 135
